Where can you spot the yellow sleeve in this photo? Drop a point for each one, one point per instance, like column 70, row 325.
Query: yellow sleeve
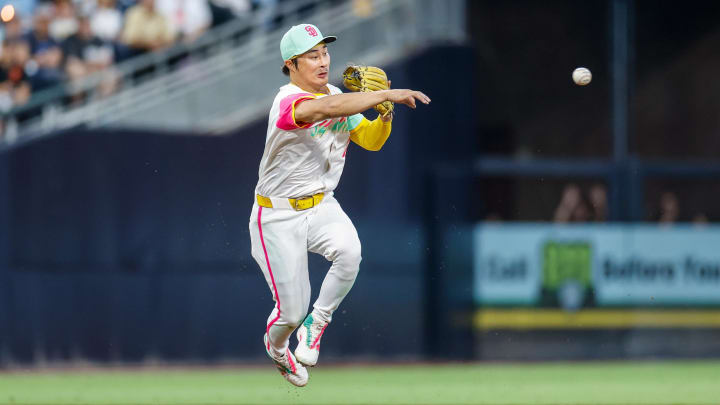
column 371, row 135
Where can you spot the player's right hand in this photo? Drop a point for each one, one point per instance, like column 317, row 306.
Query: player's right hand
column 406, row 96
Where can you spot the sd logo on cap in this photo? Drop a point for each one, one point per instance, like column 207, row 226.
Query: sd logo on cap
column 300, row 39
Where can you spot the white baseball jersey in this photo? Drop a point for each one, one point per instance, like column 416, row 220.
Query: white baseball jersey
column 302, row 159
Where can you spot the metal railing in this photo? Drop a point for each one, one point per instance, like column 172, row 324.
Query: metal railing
column 229, row 76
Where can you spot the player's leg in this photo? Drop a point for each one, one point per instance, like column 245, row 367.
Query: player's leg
column 278, row 239
column 331, row 234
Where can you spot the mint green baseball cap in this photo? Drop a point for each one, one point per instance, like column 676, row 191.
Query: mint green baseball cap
column 300, row 39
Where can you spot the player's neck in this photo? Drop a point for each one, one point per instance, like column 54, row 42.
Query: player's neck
column 310, row 89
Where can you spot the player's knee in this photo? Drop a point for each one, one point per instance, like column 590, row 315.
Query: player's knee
column 293, row 310
column 349, row 255
column 353, row 253
column 294, row 317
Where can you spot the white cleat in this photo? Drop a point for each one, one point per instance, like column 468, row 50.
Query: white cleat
column 308, row 335
column 293, row 371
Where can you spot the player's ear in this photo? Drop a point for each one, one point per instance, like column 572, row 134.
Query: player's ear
column 291, row 64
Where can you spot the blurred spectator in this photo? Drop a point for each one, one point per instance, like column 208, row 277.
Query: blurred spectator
column 599, row 202
column 124, row 5
column 570, row 200
column 44, row 69
column 106, row 20
column 582, row 212
column 64, row 22
column 85, row 53
column 85, row 7
column 188, row 19
column 574, row 206
column 14, row 86
column 669, row 208
column 362, row 8
column 145, row 29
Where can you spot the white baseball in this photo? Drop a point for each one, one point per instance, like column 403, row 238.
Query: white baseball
column 581, row 76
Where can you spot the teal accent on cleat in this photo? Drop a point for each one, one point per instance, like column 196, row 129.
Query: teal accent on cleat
column 309, row 335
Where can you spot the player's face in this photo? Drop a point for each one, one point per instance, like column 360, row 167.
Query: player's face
column 314, row 65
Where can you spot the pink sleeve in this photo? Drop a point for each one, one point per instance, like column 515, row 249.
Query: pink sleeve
column 286, row 120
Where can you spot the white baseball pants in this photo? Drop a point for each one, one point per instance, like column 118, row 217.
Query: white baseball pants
column 281, row 238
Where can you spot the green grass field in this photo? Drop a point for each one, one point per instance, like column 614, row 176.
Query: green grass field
column 541, row 383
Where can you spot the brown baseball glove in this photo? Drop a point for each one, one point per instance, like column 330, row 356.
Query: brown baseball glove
column 368, row 78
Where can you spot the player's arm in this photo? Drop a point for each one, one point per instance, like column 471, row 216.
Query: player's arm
column 370, row 135
column 346, row 104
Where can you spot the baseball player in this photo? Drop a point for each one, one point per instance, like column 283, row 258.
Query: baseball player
column 310, row 127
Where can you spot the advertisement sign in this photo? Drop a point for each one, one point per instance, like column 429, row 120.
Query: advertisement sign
column 573, row 266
